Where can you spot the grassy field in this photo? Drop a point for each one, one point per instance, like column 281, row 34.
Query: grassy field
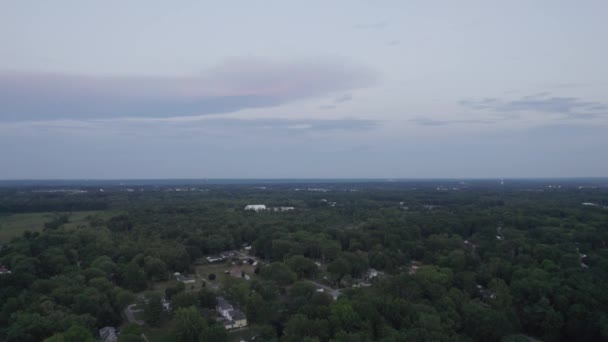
column 15, row 225
column 219, row 269
column 202, row 274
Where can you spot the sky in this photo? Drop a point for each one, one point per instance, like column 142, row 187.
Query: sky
column 311, row 89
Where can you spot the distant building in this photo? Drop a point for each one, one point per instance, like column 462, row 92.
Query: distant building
column 214, row 258
column 283, row 208
column 372, row 273
column 221, row 257
column 255, row 207
column 4, row 270
column 108, row 334
column 232, row 318
column 227, row 255
column 181, row 278
column 415, row 265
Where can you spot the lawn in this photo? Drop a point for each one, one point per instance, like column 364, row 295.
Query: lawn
column 160, row 334
column 15, row 225
column 240, row 334
column 164, row 333
column 139, row 315
column 219, row 269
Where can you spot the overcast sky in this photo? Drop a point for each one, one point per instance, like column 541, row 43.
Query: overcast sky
column 311, row 89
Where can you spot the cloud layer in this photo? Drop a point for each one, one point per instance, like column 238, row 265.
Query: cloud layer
column 234, row 85
column 371, row 25
column 570, row 107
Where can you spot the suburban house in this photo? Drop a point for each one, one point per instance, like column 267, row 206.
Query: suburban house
column 255, row 207
column 181, row 278
column 108, row 334
column 232, row 318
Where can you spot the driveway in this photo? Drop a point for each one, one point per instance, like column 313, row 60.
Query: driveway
column 335, row 293
column 130, row 314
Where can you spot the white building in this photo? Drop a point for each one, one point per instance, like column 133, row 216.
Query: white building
column 255, row 207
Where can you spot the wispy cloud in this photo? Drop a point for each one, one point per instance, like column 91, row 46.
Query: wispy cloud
column 234, row 85
column 325, row 107
column 393, row 43
column 336, row 101
column 343, row 98
column 284, row 124
column 180, row 128
column 424, row 121
column 371, row 25
column 570, row 107
column 568, row 85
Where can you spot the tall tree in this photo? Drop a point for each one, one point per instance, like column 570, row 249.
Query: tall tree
column 189, row 324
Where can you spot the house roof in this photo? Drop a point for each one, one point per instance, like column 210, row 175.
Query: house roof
column 223, row 304
column 255, row 206
column 107, row 332
column 237, row 314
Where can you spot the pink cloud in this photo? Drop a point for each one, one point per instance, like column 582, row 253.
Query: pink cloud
column 233, row 85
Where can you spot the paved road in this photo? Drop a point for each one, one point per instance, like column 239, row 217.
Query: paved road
column 130, row 313
column 335, row 293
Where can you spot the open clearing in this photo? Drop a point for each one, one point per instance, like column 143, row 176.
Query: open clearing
column 219, row 269
column 15, row 225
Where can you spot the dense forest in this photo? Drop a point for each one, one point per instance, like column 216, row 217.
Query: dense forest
column 362, row 261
